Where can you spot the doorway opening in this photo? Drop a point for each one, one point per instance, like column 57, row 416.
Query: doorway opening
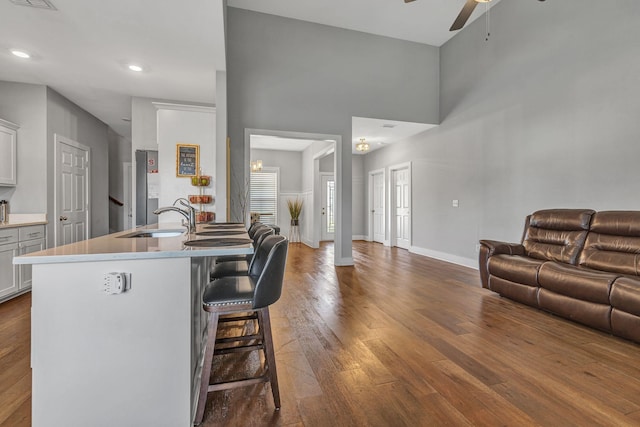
column 300, row 179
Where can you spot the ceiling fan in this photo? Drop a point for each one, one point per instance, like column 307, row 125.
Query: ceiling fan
column 464, row 14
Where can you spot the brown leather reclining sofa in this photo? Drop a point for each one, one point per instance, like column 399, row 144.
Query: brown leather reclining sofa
column 576, row 263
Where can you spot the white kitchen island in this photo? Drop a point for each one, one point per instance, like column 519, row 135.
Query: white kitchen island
column 130, row 359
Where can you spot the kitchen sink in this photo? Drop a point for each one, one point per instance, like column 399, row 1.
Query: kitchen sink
column 212, row 243
column 154, row 233
column 220, row 232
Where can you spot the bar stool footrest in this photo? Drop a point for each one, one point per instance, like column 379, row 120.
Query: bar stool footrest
column 238, row 318
column 239, row 338
column 226, row 385
column 238, row 349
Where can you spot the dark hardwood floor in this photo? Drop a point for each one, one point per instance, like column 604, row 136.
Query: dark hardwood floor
column 398, row 340
column 15, row 369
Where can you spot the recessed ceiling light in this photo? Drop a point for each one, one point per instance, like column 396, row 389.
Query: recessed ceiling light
column 134, row 67
column 20, row 53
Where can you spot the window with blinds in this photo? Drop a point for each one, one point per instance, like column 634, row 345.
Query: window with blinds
column 264, row 195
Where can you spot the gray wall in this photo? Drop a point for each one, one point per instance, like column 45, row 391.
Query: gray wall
column 119, row 152
column 67, row 119
column 327, row 163
column 543, row 115
column 359, row 198
column 290, row 164
column 291, row 75
column 25, row 105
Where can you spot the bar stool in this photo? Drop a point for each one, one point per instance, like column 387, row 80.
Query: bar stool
column 253, row 231
column 252, row 228
column 252, row 293
column 241, row 267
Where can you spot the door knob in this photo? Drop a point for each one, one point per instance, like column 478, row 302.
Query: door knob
column 63, row 218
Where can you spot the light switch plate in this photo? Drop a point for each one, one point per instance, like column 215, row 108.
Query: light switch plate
column 455, row 203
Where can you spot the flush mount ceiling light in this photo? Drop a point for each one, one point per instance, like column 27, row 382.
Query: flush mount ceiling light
column 134, row 67
column 362, row 145
column 20, row 53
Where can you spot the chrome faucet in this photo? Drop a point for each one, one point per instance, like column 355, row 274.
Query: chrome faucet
column 189, row 213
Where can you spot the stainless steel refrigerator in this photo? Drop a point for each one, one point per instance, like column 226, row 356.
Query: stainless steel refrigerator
column 146, row 187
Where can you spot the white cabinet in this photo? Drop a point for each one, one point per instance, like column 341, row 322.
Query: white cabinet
column 31, row 239
column 8, row 153
column 8, row 272
column 15, row 279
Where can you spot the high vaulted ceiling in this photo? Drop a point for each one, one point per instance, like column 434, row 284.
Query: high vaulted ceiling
column 82, row 48
column 422, row 21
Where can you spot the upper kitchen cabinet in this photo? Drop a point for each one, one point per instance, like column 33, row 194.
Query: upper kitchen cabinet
column 8, row 152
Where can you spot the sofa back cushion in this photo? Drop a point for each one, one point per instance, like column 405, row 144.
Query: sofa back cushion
column 557, row 234
column 613, row 243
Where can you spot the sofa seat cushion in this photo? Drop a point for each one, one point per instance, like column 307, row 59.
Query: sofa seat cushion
column 625, row 325
column 576, row 282
column 515, row 268
column 522, row 293
column 586, row 312
column 625, row 295
column 625, row 300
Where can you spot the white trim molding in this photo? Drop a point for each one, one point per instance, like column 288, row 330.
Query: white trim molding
column 184, row 107
column 344, row 262
column 443, row 256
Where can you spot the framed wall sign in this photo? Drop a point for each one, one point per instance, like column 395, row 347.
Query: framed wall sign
column 187, row 159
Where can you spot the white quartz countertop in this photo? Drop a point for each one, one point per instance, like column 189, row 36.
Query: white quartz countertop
column 115, row 246
column 23, row 220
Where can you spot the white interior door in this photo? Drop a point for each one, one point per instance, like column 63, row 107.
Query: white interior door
column 72, row 191
column 377, row 207
column 328, row 207
column 402, row 207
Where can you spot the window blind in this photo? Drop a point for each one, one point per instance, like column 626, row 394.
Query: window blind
column 264, row 195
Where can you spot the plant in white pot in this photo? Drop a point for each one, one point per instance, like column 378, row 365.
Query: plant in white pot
column 295, row 208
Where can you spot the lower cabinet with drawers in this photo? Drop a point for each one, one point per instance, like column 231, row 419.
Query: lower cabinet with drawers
column 14, row 279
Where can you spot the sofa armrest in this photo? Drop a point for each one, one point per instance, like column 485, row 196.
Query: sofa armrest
column 495, row 247
column 488, row 248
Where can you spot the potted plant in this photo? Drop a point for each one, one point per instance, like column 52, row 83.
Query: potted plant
column 295, row 207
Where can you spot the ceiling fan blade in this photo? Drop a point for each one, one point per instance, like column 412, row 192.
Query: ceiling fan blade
column 464, row 15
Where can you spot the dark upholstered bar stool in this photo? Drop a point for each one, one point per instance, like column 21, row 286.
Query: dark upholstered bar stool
column 241, row 267
column 255, row 228
column 242, row 294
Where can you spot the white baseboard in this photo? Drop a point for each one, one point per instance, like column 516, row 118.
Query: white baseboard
column 342, row 262
column 359, row 237
column 443, row 256
column 308, row 243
